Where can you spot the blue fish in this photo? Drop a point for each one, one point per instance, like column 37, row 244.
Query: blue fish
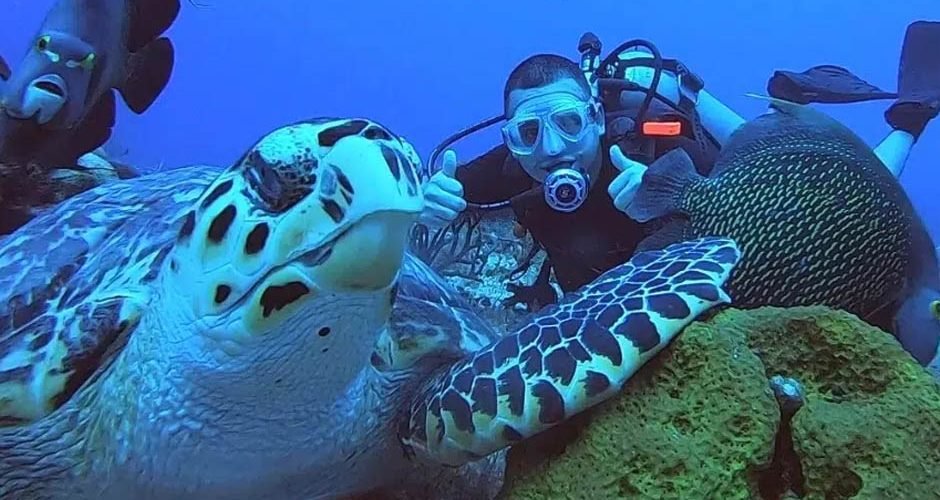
column 820, row 220
column 62, row 92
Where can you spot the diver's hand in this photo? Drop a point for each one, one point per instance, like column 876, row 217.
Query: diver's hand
column 443, row 195
column 624, row 187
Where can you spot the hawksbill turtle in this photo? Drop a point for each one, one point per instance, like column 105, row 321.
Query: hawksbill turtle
column 263, row 332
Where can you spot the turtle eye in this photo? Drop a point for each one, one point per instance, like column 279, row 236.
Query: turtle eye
column 279, row 185
column 43, row 42
column 265, row 182
column 935, row 309
column 88, row 62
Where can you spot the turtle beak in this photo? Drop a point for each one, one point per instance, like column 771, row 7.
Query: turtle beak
column 367, row 255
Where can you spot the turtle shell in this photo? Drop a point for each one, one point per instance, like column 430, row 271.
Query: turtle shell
column 74, row 281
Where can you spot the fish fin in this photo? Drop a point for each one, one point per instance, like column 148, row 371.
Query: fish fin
column 148, row 20
column 806, row 113
column 89, row 134
column 663, row 186
column 782, row 105
column 148, row 73
column 4, row 69
column 803, row 111
column 125, row 171
column 674, row 231
column 13, row 218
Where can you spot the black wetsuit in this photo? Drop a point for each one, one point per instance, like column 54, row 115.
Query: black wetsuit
column 582, row 244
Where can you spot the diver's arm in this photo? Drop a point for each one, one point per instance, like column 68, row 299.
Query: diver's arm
column 894, row 150
column 719, row 120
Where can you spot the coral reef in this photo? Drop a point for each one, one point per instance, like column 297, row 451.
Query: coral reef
column 478, row 255
column 701, row 420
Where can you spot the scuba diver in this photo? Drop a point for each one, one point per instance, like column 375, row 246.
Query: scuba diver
column 577, row 139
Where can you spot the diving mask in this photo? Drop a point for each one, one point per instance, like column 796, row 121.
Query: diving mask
column 570, row 120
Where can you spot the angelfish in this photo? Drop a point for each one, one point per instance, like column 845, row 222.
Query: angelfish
column 83, row 50
column 819, row 218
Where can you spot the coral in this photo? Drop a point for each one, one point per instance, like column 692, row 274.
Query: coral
column 455, row 243
column 700, row 420
column 483, row 279
column 696, row 422
column 870, row 427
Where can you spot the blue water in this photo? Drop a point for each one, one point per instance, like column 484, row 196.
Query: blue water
column 426, row 68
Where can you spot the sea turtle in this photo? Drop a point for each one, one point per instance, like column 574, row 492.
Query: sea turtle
column 262, row 332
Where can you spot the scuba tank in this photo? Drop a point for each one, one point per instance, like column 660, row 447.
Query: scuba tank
column 646, row 112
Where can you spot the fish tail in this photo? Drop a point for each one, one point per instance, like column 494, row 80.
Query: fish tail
column 664, row 186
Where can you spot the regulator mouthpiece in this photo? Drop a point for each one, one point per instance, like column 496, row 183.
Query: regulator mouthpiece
column 565, row 189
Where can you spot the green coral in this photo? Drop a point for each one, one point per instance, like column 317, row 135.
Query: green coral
column 699, row 421
column 871, row 424
column 695, row 422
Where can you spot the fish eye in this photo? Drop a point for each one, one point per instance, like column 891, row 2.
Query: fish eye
column 88, row 62
column 935, row 309
column 43, row 42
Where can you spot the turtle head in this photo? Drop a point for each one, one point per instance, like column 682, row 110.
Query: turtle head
column 286, row 267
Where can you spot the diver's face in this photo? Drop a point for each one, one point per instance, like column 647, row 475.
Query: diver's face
column 554, row 126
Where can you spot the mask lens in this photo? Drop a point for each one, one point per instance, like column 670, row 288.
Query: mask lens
column 570, row 122
column 528, row 132
column 523, row 135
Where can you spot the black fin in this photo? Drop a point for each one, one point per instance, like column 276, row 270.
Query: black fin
column 88, row 135
column 823, row 84
column 13, row 218
column 20, row 140
column 148, row 72
column 663, row 186
column 4, row 69
column 918, row 79
column 148, row 20
column 674, row 231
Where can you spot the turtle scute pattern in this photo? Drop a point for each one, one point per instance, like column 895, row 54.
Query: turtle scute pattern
column 570, row 356
column 73, row 281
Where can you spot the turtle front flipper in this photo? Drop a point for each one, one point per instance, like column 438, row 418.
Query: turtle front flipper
column 569, row 357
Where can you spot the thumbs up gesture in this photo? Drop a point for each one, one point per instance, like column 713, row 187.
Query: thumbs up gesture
column 624, row 187
column 443, row 195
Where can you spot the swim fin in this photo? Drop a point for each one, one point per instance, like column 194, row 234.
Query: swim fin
column 918, row 79
column 826, row 83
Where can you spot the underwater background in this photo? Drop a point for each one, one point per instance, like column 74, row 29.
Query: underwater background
column 428, row 68
column 772, row 403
